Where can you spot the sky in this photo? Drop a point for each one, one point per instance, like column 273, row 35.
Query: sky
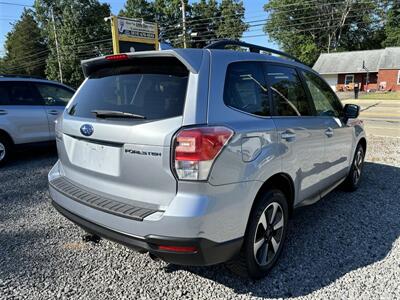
column 254, row 11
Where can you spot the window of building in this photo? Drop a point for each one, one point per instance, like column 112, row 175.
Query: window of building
column 349, row 78
column 398, row 77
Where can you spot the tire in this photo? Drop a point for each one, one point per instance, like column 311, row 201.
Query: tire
column 262, row 248
column 352, row 180
column 5, row 150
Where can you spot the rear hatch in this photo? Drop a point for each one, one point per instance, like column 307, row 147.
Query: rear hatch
column 117, row 131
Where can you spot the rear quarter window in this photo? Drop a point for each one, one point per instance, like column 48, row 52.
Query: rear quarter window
column 152, row 87
column 245, row 88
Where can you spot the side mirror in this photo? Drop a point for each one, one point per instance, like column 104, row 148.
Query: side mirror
column 351, row 111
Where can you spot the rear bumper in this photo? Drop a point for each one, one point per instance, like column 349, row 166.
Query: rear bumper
column 207, row 252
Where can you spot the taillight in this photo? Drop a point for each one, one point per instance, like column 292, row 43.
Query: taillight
column 117, row 57
column 196, row 149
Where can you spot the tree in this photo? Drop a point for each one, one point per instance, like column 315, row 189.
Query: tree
column 206, row 20
column 392, row 28
column 26, row 50
column 140, row 9
column 305, row 28
column 81, row 33
column 231, row 23
column 168, row 16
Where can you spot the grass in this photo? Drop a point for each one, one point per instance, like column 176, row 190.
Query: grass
column 381, row 96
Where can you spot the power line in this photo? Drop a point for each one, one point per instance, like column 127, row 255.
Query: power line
column 15, row 4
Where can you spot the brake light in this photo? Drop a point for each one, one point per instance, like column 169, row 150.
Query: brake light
column 196, row 149
column 117, row 57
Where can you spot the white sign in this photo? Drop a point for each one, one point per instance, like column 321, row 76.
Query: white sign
column 136, row 28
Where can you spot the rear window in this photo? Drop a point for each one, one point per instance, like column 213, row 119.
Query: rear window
column 152, row 87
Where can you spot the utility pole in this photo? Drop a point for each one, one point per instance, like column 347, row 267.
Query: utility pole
column 183, row 8
column 57, row 50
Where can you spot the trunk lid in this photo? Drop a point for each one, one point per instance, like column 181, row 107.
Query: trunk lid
column 123, row 157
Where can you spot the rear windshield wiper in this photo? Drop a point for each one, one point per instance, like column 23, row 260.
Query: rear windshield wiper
column 116, row 114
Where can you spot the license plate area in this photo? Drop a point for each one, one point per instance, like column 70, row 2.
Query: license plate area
column 96, row 157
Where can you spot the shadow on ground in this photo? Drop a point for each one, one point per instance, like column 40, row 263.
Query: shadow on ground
column 30, row 155
column 339, row 234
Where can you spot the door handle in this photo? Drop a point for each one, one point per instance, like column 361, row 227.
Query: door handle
column 3, row 112
column 329, row 132
column 53, row 112
column 288, row 135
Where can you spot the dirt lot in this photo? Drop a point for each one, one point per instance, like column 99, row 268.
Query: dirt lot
column 345, row 246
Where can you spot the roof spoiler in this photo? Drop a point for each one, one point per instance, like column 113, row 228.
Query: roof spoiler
column 192, row 60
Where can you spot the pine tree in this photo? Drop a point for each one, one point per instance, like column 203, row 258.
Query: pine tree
column 26, row 50
column 204, row 22
column 140, row 9
column 231, row 23
column 392, row 28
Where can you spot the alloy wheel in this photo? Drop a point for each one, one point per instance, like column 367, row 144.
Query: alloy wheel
column 2, row 151
column 357, row 165
column 269, row 233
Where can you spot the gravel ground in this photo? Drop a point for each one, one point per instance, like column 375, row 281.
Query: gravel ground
column 345, row 246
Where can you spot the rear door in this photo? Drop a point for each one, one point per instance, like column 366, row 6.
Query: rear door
column 300, row 134
column 24, row 113
column 338, row 136
column 55, row 98
column 126, row 156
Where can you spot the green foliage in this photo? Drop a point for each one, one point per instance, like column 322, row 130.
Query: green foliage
column 206, row 20
column 79, row 26
column 168, row 16
column 23, row 43
column 392, row 29
column 138, row 9
column 305, row 28
column 231, row 24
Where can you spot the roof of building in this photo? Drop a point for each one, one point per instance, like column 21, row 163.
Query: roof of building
column 352, row 61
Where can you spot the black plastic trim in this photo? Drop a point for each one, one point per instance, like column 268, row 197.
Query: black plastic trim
column 72, row 191
column 208, row 252
column 252, row 47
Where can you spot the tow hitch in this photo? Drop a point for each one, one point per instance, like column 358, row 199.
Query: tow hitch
column 95, row 239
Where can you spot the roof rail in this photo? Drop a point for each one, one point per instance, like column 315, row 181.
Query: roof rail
column 21, row 76
column 252, row 48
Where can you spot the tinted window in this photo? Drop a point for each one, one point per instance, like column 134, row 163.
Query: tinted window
column 154, row 88
column 54, row 95
column 23, row 93
column 325, row 101
column 4, row 95
column 245, row 88
column 288, row 95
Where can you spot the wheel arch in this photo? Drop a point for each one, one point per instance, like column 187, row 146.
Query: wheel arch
column 7, row 136
column 284, row 183
column 363, row 143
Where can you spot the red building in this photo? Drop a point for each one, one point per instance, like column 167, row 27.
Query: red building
column 371, row 69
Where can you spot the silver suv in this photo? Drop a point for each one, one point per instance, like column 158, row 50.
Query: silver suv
column 28, row 109
column 199, row 156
